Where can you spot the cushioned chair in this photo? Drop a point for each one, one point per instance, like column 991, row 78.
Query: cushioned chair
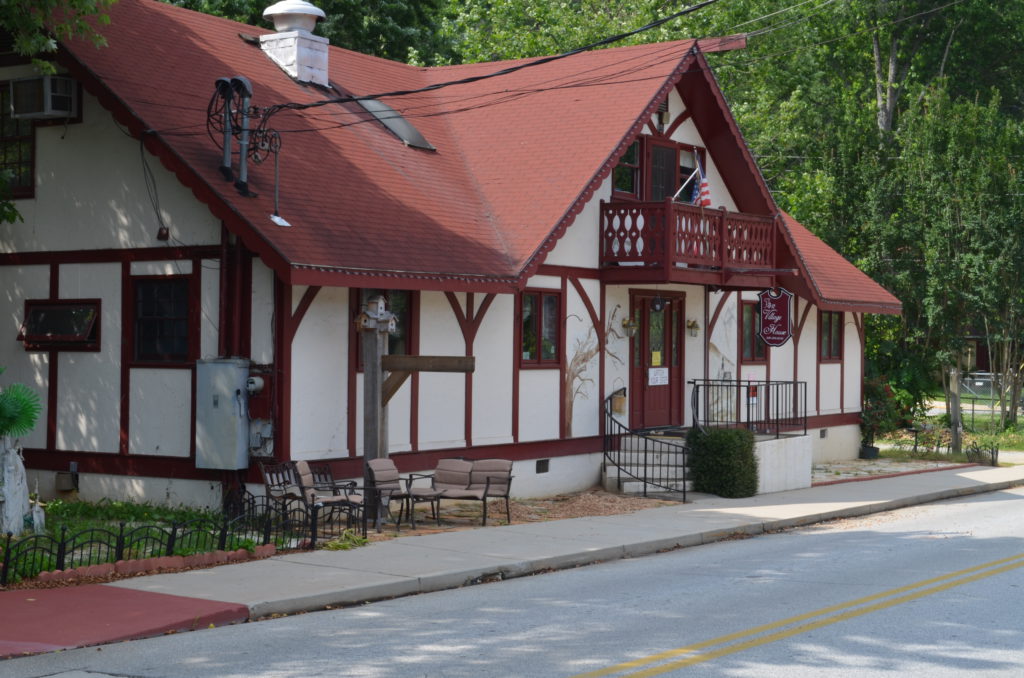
column 479, row 480
column 386, row 482
column 317, row 486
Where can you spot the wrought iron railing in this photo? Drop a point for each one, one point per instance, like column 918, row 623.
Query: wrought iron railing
column 287, row 524
column 764, row 407
column 653, row 461
column 668, row 233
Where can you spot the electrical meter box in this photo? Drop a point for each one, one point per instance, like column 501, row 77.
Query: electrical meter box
column 222, row 419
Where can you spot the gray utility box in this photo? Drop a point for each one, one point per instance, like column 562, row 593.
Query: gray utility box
column 222, row 414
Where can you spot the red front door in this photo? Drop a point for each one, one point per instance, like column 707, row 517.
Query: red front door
column 656, row 359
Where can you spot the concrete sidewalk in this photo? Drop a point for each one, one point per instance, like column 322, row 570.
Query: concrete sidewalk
column 44, row 620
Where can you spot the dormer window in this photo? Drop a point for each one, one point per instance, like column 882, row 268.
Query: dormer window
column 653, row 169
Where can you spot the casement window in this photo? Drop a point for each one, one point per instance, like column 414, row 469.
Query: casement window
column 830, row 336
column 17, row 149
column 400, row 303
column 753, row 349
column 626, row 175
column 61, row 325
column 654, row 169
column 540, row 326
column 162, row 322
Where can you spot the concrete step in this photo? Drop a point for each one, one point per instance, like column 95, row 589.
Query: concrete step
column 637, row 486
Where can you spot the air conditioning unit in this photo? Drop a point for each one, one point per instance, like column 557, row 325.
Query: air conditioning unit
column 45, row 96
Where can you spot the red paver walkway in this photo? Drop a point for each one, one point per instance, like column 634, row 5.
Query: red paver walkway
column 43, row 620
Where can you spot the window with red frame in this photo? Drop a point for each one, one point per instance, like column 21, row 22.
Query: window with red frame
column 162, row 322
column 626, row 175
column 656, row 168
column 61, row 325
column 17, row 149
column 830, row 334
column 541, row 322
column 754, row 350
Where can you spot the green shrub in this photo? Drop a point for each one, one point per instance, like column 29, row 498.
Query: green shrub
column 722, row 462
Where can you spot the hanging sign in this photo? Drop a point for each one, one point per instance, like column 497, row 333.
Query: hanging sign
column 775, row 316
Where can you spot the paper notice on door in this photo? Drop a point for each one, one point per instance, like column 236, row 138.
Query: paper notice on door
column 655, row 358
column 657, row 376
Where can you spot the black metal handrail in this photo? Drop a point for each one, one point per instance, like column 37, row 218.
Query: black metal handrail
column 764, row 407
column 650, row 460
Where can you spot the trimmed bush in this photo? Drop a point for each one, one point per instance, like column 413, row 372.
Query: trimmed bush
column 722, row 462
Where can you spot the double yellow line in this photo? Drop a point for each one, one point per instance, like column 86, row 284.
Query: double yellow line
column 785, row 628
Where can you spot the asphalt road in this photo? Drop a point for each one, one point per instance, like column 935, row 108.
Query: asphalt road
column 933, row 590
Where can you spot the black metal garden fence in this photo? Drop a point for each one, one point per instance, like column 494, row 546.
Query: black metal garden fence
column 261, row 521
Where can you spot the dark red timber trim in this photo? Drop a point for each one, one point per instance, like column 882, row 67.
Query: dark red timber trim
column 414, row 380
column 842, row 368
column 827, row 420
column 707, row 332
column 353, row 363
column 563, row 367
column 53, row 371
column 127, row 340
column 427, row 461
column 680, row 119
column 517, row 353
column 117, row 464
column 858, row 321
column 797, row 333
column 109, row 256
column 469, row 323
column 569, row 272
column 603, row 338
column 222, row 311
column 595, row 320
column 290, row 321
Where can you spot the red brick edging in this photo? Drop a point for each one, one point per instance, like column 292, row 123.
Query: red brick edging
column 154, row 565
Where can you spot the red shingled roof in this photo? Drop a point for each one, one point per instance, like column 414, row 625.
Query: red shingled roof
column 517, row 156
column 834, row 283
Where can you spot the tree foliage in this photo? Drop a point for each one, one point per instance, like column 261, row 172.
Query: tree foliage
column 393, row 29
column 36, row 27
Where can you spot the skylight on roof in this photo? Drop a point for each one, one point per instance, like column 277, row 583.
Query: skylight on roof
column 395, row 123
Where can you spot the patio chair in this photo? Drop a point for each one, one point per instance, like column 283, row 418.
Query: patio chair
column 386, row 481
column 318, row 487
column 280, row 483
column 479, row 480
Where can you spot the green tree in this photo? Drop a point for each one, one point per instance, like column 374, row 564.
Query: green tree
column 393, row 29
column 35, row 29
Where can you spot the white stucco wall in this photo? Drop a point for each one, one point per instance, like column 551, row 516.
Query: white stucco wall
column 88, row 393
column 852, row 357
column 442, row 396
column 840, row 443
column 783, row 464
column 320, row 377
column 160, row 412
column 582, row 338
column 538, row 404
column 18, row 283
column 262, row 344
column 91, row 193
column 492, row 380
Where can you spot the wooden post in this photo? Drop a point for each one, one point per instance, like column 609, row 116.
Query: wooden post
column 955, row 422
column 374, row 323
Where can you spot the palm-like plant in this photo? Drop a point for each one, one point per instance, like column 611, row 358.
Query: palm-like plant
column 19, row 410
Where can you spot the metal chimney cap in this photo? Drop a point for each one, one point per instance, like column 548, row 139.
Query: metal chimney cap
column 291, row 15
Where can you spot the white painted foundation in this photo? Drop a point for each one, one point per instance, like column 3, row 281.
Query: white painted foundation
column 783, row 464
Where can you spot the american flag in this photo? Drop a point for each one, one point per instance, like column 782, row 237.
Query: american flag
column 701, row 192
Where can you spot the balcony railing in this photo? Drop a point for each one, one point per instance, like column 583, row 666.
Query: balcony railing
column 764, row 407
column 670, row 234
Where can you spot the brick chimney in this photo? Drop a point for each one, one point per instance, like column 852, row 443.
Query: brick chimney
column 294, row 48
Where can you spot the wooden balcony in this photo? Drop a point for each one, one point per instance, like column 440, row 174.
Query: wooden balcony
column 676, row 242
